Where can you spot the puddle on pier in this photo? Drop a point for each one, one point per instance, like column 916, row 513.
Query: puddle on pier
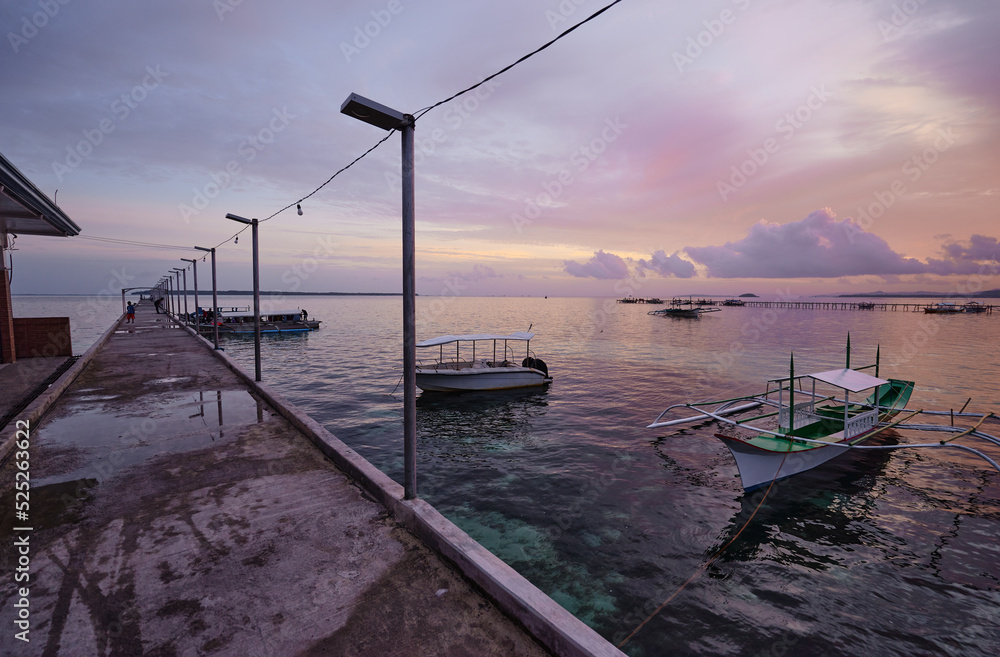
column 55, row 504
column 109, row 435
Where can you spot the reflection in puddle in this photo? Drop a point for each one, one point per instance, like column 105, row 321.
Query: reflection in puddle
column 113, row 435
column 168, row 379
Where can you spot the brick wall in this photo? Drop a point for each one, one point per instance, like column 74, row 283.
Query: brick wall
column 42, row 336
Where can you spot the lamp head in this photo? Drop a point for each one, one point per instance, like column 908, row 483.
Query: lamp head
column 372, row 113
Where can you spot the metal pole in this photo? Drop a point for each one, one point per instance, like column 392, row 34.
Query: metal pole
column 409, row 316
column 256, row 304
column 170, row 295
column 197, row 315
column 215, row 302
column 215, row 295
column 123, row 301
column 177, row 293
column 185, row 273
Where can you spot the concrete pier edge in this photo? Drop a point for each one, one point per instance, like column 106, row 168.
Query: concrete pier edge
column 554, row 627
column 37, row 408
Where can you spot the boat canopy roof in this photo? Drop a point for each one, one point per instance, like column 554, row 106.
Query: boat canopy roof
column 851, row 380
column 269, row 313
column 447, row 339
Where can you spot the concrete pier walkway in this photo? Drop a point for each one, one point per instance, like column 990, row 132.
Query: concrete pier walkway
column 174, row 512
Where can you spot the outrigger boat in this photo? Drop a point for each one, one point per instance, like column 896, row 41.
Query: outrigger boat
column 240, row 322
column 789, row 438
column 458, row 373
column 683, row 312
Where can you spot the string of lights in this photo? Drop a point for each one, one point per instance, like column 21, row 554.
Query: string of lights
column 424, row 111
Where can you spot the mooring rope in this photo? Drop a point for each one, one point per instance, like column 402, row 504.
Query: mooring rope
column 703, row 567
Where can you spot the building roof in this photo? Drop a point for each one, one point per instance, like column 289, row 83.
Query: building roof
column 25, row 210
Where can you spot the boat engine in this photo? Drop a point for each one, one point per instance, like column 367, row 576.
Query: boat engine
column 536, row 363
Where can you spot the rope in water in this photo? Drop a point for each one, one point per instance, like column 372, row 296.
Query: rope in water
column 703, row 567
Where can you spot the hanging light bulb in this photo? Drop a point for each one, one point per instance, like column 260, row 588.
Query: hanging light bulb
column 299, row 207
column 237, row 240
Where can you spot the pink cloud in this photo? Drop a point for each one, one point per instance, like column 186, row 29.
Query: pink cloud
column 602, row 265
column 820, row 246
column 668, row 265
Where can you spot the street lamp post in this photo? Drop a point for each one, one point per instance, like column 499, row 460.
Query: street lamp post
column 184, row 273
column 177, row 273
column 256, row 291
column 170, row 294
column 387, row 118
column 215, row 295
column 197, row 315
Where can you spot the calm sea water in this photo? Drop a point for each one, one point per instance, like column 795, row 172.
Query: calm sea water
column 877, row 553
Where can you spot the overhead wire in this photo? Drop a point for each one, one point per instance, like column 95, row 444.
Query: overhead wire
column 424, row 111
column 417, row 115
column 510, row 66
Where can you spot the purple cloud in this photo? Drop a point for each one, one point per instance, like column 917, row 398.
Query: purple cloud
column 602, row 265
column 819, row 246
column 980, row 248
column 668, row 265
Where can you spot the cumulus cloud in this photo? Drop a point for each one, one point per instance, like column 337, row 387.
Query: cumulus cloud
column 820, row 246
column 602, row 265
column 980, row 248
column 668, row 265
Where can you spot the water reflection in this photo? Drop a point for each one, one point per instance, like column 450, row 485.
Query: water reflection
column 828, row 505
column 493, row 421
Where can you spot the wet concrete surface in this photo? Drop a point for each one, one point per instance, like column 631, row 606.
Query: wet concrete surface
column 174, row 513
column 20, row 378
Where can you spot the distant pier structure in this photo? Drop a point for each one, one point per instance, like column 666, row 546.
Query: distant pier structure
column 855, row 305
column 970, row 307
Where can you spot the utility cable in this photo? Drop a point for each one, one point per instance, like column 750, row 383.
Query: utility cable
column 510, row 66
column 423, row 111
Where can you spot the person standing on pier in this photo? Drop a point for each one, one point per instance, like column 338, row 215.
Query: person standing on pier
column 130, row 313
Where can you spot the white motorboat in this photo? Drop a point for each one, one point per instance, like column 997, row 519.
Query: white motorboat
column 494, row 367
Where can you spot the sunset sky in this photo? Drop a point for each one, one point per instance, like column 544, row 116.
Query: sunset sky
column 725, row 146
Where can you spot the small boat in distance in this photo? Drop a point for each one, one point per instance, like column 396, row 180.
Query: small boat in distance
column 734, row 302
column 489, row 370
column 799, row 436
column 974, row 307
column 943, row 308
